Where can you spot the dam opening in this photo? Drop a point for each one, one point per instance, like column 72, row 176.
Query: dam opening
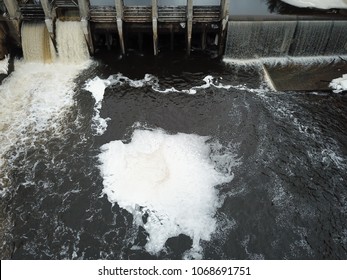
column 120, row 144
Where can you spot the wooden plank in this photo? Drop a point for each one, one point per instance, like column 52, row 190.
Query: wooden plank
column 103, row 14
column 137, row 14
column 172, row 14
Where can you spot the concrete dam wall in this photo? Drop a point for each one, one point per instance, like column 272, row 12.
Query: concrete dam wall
column 121, row 25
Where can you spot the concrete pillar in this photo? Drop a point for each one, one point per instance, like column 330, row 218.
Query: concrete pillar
column 224, row 5
column 47, row 8
column 203, row 37
column 189, row 24
column 84, row 9
column 119, row 10
column 172, row 38
column 155, row 25
column 14, row 15
column 12, row 9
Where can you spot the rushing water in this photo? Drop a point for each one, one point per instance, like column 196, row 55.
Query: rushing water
column 172, row 158
column 250, row 39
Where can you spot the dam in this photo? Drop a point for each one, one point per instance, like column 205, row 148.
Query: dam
column 191, row 25
column 128, row 136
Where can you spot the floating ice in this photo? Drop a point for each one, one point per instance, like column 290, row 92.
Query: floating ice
column 171, row 178
column 319, row 4
column 339, row 84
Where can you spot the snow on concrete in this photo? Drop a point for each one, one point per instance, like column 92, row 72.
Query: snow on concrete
column 319, row 4
column 339, row 84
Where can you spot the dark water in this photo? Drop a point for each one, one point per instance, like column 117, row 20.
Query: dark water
column 288, row 199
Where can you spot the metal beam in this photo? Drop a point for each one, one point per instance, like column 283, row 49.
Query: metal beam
column 155, row 25
column 189, row 24
column 119, row 11
column 224, row 5
column 84, row 8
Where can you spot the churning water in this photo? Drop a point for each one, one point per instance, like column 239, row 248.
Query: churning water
column 168, row 158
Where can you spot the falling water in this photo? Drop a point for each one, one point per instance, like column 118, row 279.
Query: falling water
column 72, row 46
column 311, row 38
column 250, row 39
column 36, row 98
column 36, row 42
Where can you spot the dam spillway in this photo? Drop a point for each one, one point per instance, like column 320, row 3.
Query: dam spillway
column 123, row 26
column 118, row 23
column 298, row 38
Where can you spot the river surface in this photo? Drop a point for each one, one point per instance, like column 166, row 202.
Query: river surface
column 240, row 171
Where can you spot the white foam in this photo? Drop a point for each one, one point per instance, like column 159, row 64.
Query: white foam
column 34, row 97
column 340, row 84
column 97, row 87
column 4, row 65
column 172, row 178
column 283, row 61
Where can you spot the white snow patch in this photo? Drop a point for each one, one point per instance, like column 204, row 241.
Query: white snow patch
column 339, row 84
column 319, row 4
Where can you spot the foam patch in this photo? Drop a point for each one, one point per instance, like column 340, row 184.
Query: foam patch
column 170, row 178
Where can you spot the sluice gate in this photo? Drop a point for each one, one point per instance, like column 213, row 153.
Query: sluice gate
column 118, row 24
column 124, row 26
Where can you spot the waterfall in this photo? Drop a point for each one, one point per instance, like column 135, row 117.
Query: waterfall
column 36, row 42
column 338, row 43
column 71, row 43
column 311, row 38
column 251, row 39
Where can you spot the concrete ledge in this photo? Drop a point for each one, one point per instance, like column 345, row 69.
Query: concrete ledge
column 313, row 77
